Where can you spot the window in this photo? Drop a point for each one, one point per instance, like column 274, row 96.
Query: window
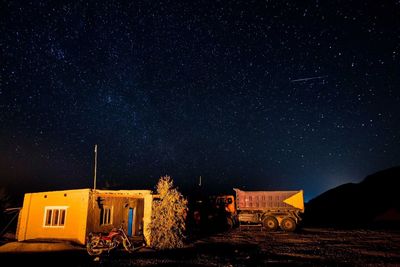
column 105, row 215
column 55, row 216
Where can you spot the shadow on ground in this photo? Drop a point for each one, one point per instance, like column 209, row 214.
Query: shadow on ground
column 307, row 247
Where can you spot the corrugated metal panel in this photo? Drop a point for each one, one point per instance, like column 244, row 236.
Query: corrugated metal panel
column 263, row 200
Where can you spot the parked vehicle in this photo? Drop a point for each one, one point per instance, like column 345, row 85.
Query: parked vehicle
column 272, row 209
column 97, row 243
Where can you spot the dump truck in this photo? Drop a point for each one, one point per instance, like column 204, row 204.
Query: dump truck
column 271, row 209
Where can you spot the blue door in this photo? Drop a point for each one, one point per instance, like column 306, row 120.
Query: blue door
column 131, row 223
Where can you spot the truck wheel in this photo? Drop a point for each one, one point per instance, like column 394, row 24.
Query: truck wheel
column 229, row 223
column 288, row 225
column 270, row 223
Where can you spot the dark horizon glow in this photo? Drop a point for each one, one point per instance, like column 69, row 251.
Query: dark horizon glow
column 263, row 95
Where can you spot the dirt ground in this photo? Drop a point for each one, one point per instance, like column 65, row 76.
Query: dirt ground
column 248, row 247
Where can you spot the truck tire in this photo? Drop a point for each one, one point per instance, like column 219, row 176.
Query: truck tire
column 270, row 223
column 229, row 223
column 288, row 224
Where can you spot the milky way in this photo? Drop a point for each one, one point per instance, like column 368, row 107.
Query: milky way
column 252, row 94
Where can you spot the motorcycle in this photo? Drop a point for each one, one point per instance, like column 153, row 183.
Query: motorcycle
column 97, row 243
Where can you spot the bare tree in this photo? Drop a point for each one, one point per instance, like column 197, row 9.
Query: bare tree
column 5, row 202
column 5, row 199
column 168, row 217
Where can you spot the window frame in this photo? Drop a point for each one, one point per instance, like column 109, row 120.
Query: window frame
column 103, row 215
column 54, row 214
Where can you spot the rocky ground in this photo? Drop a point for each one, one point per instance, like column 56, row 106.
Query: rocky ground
column 248, row 247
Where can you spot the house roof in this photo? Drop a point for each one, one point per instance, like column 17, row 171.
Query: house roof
column 122, row 193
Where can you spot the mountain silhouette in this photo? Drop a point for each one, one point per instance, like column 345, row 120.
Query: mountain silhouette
column 373, row 202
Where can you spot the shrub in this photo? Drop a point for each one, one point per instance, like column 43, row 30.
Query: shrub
column 167, row 224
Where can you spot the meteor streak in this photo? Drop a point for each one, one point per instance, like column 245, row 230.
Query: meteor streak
column 308, row 79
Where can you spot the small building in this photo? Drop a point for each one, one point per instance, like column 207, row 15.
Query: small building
column 72, row 214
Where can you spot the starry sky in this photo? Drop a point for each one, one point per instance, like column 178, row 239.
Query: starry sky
column 263, row 95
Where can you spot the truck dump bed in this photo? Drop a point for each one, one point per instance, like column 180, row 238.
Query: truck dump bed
column 269, row 200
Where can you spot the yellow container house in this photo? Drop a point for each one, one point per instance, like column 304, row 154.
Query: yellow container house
column 71, row 214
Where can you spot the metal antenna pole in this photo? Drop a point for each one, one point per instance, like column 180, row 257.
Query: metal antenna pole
column 95, row 167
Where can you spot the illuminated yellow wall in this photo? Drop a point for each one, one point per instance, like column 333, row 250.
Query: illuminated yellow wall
column 148, row 205
column 32, row 218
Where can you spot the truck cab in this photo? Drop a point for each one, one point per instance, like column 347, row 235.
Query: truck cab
column 226, row 202
column 224, row 211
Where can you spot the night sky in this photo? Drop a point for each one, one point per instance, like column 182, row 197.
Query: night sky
column 264, row 95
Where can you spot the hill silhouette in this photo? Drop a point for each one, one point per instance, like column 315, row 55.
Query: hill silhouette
column 373, row 202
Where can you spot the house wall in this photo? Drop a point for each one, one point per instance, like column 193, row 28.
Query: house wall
column 148, row 207
column 121, row 200
column 119, row 206
column 32, row 218
column 83, row 213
